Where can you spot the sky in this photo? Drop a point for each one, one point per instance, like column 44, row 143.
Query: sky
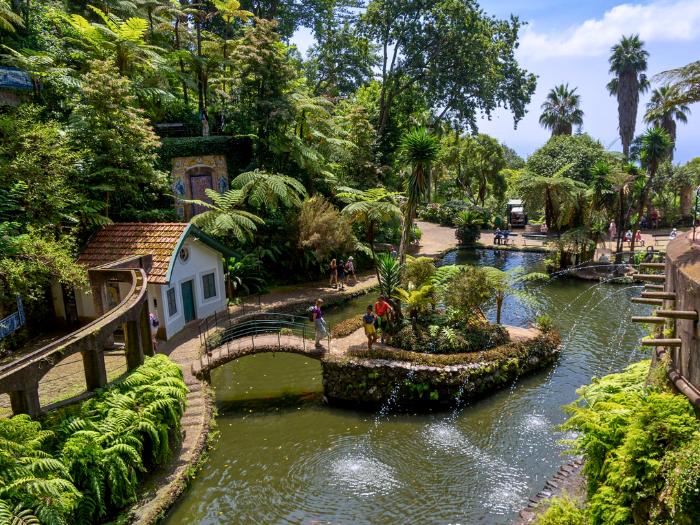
column 569, row 41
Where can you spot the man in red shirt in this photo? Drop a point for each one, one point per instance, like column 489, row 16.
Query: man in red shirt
column 382, row 309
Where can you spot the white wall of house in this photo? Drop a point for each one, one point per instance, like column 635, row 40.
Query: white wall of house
column 84, row 303
column 59, row 307
column 202, row 261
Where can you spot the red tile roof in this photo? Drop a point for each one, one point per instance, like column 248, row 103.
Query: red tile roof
column 128, row 239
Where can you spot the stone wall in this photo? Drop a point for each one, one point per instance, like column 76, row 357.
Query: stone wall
column 683, row 278
column 374, row 382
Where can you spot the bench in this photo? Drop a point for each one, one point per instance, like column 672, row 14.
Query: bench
column 660, row 238
column 504, row 239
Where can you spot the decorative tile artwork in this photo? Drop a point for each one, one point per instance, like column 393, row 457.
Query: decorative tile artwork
column 191, row 176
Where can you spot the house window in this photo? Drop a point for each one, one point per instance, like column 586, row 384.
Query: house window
column 172, row 303
column 209, row 285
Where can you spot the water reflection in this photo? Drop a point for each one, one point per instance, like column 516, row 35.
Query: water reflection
column 302, row 462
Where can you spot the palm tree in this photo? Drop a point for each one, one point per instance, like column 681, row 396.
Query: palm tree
column 369, row 207
column 622, row 181
column 655, row 146
column 561, row 111
column 628, row 61
column 419, row 149
column 663, row 113
column 685, row 83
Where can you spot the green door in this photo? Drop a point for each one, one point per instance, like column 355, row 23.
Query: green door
column 188, row 300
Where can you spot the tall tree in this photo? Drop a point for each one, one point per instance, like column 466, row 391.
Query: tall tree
column 481, row 160
column 662, row 112
column 561, row 110
column 628, row 62
column 420, row 149
column 463, row 59
column 656, row 144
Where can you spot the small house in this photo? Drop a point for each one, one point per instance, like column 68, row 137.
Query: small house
column 184, row 268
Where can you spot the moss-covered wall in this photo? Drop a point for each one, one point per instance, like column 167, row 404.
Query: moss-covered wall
column 237, row 150
column 372, row 382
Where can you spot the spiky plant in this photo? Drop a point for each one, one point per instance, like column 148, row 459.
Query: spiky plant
column 419, row 149
column 389, row 270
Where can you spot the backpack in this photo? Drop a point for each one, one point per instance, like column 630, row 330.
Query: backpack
column 310, row 311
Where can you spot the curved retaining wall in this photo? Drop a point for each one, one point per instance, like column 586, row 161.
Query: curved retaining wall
column 374, row 382
column 683, row 278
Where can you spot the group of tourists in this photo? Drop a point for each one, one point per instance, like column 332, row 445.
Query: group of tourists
column 341, row 271
column 376, row 320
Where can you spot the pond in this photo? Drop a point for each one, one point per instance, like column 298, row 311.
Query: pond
column 283, row 457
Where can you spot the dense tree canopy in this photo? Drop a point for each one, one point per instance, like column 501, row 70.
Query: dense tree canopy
column 581, row 152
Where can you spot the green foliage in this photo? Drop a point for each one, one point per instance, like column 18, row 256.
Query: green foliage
column 561, row 111
column 417, row 271
column 83, row 464
column 578, row 152
column 324, row 230
column 640, row 445
column 119, row 143
column 237, row 150
column 389, row 271
column 468, row 227
column 562, row 510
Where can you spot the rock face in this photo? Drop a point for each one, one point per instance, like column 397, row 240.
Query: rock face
column 402, row 385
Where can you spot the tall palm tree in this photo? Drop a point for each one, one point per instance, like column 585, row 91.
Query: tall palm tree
column 656, row 144
column 628, row 62
column 662, row 112
column 685, row 82
column 561, row 111
column 419, row 149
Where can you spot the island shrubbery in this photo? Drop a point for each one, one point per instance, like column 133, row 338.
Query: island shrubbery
column 83, row 464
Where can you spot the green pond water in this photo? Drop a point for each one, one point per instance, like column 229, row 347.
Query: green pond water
column 283, row 457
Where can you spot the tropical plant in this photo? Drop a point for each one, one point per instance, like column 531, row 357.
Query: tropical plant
column 244, row 274
column 258, row 189
column 389, row 270
column 9, row 20
column 662, row 113
column 561, row 111
column 558, row 195
column 684, row 82
column 416, row 300
column 226, row 214
column 504, row 283
column 369, row 207
column 419, row 148
column 468, row 224
column 417, row 272
column 628, row 62
column 123, row 41
column 469, row 291
column 656, row 144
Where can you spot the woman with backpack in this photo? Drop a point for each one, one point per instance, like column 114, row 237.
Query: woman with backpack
column 319, row 322
column 350, row 270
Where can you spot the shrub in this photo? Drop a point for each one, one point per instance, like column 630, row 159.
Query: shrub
column 468, row 227
column 437, row 339
column 544, row 323
column 642, row 450
column 346, row 327
column 562, row 511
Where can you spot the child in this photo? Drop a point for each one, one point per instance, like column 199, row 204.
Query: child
column 370, row 331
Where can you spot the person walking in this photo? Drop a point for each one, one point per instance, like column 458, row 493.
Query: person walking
column 350, row 270
column 368, row 321
column 382, row 309
column 341, row 274
column 612, row 231
column 334, row 274
column 319, row 322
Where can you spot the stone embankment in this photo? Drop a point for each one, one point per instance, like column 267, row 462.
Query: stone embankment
column 367, row 382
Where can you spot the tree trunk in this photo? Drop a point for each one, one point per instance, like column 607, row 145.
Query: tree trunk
column 408, row 225
column 499, row 306
column 185, row 94
column 687, row 201
column 370, row 239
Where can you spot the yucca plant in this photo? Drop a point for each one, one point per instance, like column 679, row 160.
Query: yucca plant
column 419, row 149
column 468, row 224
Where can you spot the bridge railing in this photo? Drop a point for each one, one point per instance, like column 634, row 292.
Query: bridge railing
column 262, row 323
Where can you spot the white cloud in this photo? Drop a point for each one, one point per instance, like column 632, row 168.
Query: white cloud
column 655, row 22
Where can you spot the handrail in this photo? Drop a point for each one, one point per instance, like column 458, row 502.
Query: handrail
column 138, row 284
